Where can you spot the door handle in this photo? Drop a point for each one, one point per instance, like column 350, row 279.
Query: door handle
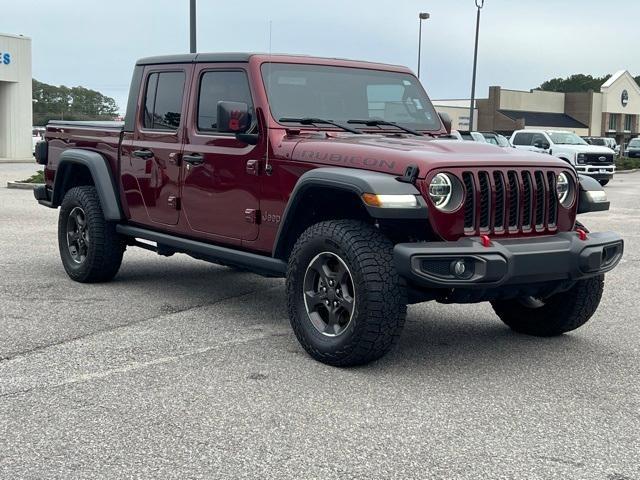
column 142, row 153
column 193, row 159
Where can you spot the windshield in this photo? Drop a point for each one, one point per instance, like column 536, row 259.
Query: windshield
column 502, row 141
column 491, row 139
column 562, row 138
column 341, row 94
column 635, row 142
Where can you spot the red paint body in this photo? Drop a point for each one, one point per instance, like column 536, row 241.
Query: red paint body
column 213, row 197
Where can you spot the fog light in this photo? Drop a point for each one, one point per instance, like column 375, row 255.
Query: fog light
column 459, row 268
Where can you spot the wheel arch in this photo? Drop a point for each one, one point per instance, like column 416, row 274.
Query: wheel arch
column 84, row 167
column 343, row 189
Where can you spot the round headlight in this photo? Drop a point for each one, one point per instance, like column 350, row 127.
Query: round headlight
column 440, row 190
column 446, row 192
column 563, row 189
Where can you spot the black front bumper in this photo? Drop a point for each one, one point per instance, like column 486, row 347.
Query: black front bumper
column 524, row 261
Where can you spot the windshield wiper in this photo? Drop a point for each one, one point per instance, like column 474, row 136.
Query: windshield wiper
column 313, row 121
column 378, row 123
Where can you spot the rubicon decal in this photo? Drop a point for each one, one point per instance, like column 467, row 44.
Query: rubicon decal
column 355, row 160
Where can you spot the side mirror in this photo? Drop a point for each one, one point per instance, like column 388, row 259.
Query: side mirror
column 446, row 121
column 592, row 196
column 233, row 117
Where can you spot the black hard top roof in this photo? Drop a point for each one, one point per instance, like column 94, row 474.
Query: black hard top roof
column 230, row 57
column 196, row 58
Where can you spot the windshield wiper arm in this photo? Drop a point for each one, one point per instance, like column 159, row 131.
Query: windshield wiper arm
column 313, row 121
column 377, row 123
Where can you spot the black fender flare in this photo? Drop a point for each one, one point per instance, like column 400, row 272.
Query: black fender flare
column 102, row 179
column 355, row 181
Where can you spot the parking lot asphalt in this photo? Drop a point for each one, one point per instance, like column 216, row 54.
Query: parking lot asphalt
column 182, row 369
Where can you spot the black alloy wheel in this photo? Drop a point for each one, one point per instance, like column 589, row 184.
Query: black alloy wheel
column 329, row 295
column 78, row 238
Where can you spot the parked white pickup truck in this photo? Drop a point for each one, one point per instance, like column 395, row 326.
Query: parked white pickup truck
column 592, row 160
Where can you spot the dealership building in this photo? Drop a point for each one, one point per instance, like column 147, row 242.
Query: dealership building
column 15, row 98
column 614, row 111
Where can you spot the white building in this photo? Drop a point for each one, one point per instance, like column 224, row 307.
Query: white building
column 613, row 112
column 458, row 110
column 15, row 98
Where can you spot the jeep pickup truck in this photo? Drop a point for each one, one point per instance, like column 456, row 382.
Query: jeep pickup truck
column 337, row 175
column 592, row 160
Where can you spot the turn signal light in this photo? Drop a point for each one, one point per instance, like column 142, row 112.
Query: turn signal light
column 390, row 201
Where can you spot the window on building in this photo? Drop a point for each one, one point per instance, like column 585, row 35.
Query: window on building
column 163, row 100
column 613, row 122
column 216, row 87
column 523, row 138
column 628, row 123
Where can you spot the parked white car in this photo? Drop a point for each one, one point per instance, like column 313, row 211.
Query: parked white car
column 37, row 134
column 594, row 161
column 472, row 136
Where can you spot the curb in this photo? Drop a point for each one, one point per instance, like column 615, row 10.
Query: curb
column 17, row 160
column 633, row 170
column 23, row 185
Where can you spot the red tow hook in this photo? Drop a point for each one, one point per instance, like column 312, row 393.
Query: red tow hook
column 486, row 241
column 582, row 235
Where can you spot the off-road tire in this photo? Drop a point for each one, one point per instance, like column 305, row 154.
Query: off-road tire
column 603, row 182
column 104, row 248
column 380, row 303
column 560, row 313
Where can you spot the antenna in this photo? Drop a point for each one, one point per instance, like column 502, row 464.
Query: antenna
column 267, row 166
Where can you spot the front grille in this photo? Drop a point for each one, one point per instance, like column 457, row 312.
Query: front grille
column 469, row 205
column 485, row 195
column 516, row 201
column 599, row 158
column 527, row 193
column 552, row 209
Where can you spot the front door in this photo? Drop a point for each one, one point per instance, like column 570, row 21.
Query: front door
column 150, row 166
column 220, row 190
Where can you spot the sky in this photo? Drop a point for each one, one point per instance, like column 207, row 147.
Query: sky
column 94, row 43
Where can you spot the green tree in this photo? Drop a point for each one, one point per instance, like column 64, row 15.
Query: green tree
column 577, row 83
column 76, row 103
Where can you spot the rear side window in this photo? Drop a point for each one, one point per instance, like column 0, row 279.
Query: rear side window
column 523, row 138
column 216, row 87
column 163, row 100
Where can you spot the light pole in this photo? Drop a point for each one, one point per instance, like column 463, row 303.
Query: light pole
column 422, row 16
column 479, row 4
column 192, row 26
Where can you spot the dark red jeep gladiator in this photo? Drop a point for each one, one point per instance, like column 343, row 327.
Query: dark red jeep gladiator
column 338, row 175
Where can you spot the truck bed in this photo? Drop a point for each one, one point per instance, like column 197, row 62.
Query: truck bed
column 99, row 136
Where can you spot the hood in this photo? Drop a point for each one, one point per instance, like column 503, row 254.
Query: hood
column 393, row 154
column 585, row 149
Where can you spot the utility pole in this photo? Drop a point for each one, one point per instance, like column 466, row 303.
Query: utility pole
column 192, row 26
column 479, row 4
column 422, row 16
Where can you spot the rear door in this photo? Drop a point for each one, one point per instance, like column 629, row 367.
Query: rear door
column 220, row 188
column 150, row 166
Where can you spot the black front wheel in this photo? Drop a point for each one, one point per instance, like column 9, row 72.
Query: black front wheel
column 554, row 315
column 346, row 301
column 90, row 248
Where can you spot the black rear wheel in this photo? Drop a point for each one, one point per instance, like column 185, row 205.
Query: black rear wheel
column 90, row 248
column 346, row 301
